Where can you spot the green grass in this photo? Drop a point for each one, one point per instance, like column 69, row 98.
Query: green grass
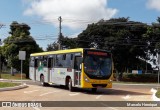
column 158, row 93
column 17, row 76
column 7, row 84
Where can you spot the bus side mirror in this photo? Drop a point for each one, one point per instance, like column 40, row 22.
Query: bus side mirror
column 80, row 66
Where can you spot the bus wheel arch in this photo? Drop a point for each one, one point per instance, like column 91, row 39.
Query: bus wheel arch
column 69, row 83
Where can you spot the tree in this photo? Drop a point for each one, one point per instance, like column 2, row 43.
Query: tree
column 122, row 37
column 20, row 40
column 152, row 37
column 53, row 47
column 67, row 43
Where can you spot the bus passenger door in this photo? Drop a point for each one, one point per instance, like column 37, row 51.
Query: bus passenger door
column 77, row 72
column 50, row 69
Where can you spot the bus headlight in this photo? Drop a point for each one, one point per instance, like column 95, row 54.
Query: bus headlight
column 86, row 79
column 110, row 81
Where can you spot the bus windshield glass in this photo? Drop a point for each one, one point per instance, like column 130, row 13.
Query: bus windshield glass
column 97, row 65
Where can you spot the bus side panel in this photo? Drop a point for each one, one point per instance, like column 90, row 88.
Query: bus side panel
column 59, row 75
column 45, row 73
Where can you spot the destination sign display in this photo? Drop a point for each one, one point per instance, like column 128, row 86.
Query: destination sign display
column 97, row 53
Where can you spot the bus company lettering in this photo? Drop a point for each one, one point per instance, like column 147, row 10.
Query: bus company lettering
column 97, row 53
column 61, row 73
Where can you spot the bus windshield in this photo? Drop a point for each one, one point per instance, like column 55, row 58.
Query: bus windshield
column 97, row 66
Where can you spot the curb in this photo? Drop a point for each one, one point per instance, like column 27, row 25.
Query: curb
column 14, row 88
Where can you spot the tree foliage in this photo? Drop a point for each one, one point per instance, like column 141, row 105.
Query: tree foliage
column 20, row 40
column 131, row 43
column 65, row 42
column 124, row 38
column 52, row 47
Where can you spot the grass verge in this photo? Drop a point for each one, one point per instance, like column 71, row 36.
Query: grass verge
column 158, row 93
column 7, row 84
column 17, row 76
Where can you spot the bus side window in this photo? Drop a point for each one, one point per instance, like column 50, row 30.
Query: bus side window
column 68, row 61
column 45, row 62
column 71, row 56
column 64, row 57
column 58, row 61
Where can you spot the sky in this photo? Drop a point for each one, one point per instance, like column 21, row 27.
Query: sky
column 42, row 15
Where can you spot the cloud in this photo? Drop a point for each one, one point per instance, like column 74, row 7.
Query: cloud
column 153, row 4
column 74, row 13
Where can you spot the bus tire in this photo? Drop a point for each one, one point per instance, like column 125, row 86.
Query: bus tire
column 42, row 81
column 70, row 85
column 94, row 89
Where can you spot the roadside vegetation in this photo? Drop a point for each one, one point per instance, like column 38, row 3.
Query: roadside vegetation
column 137, row 78
column 158, row 93
column 7, row 84
column 9, row 76
column 16, row 76
column 140, row 78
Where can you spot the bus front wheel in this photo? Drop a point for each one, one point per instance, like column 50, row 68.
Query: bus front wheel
column 70, row 85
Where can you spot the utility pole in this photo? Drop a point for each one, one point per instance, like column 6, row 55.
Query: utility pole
column 60, row 33
column 60, row 26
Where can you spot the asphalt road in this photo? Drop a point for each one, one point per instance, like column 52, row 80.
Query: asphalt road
column 119, row 92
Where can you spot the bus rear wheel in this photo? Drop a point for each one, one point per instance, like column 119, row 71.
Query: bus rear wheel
column 42, row 81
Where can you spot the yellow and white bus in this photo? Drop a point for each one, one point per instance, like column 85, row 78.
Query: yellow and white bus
column 81, row 67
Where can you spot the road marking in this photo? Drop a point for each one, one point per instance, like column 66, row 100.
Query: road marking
column 58, row 91
column 74, row 94
column 98, row 96
column 30, row 91
column 49, row 93
column 126, row 97
column 46, row 93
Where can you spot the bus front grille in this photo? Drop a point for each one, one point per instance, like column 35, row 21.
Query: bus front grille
column 99, row 85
